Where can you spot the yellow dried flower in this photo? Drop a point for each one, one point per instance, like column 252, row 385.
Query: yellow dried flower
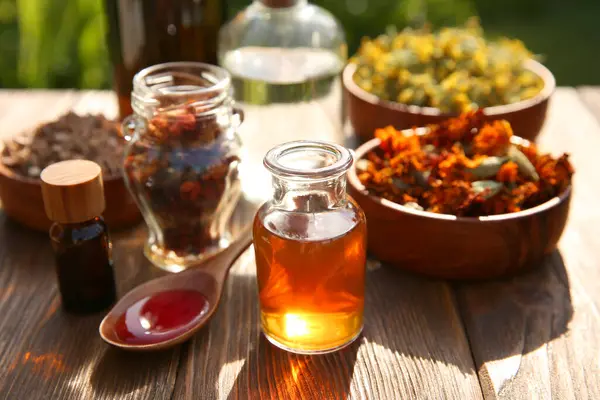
column 454, row 69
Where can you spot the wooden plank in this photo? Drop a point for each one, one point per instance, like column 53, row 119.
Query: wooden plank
column 536, row 335
column 590, row 95
column 413, row 347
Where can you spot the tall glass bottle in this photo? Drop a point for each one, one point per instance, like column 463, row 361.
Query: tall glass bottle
column 142, row 33
column 285, row 58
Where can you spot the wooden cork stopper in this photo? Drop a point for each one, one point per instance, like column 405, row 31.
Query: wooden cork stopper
column 73, row 191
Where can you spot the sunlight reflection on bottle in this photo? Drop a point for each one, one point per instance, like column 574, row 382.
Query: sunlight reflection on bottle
column 255, row 179
column 295, row 326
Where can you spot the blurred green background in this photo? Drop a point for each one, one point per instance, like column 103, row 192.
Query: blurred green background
column 61, row 43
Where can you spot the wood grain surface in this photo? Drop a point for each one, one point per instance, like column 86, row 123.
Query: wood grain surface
column 534, row 336
column 537, row 336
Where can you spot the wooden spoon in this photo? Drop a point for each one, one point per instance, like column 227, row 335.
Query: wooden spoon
column 207, row 278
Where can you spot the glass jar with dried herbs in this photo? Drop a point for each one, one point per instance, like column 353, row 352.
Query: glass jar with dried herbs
column 181, row 162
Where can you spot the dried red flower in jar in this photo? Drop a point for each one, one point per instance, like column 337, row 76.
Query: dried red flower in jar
column 182, row 162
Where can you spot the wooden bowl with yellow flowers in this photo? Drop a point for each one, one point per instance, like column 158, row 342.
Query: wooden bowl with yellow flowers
column 417, row 78
column 465, row 199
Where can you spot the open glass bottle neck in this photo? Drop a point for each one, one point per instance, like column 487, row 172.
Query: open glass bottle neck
column 182, row 96
column 308, row 176
column 309, row 196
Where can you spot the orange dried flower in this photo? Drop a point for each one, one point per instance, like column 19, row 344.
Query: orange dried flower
column 464, row 167
column 554, row 171
column 508, row 172
column 493, row 139
column 452, row 198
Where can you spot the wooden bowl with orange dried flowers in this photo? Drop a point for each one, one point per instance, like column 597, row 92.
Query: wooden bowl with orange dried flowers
column 465, row 199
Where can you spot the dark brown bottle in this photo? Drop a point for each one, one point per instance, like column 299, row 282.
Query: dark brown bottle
column 74, row 199
column 84, row 265
column 142, row 33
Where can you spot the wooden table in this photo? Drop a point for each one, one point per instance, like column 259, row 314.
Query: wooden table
column 535, row 336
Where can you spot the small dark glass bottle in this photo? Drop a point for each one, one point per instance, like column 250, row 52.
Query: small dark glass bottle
column 74, row 199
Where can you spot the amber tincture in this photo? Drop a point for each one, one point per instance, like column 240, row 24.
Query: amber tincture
column 310, row 248
column 74, row 200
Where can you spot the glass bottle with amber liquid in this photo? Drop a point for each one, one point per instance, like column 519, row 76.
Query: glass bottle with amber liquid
column 142, row 33
column 310, row 247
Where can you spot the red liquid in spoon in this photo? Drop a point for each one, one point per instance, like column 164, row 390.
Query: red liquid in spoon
column 161, row 317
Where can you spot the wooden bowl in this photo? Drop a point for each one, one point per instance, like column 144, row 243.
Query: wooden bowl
column 22, row 201
column 450, row 247
column 368, row 112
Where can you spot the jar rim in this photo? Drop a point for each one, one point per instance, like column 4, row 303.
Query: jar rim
column 339, row 160
column 151, row 83
column 223, row 78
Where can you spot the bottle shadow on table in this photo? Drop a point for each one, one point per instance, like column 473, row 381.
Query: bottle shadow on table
column 272, row 373
column 515, row 316
column 411, row 323
column 231, row 359
column 427, row 319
